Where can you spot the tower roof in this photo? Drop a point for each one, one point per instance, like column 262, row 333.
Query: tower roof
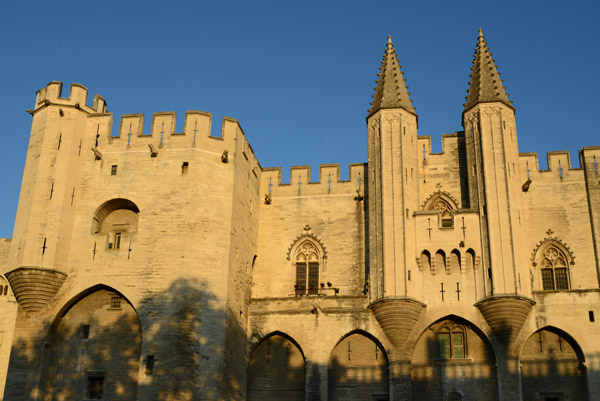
column 485, row 85
column 391, row 91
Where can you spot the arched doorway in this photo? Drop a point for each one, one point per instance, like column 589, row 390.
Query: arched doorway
column 93, row 350
column 358, row 370
column 451, row 359
column 276, row 370
column 552, row 367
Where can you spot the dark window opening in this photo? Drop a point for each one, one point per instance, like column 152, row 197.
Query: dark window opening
column 184, row 167
column 85, row 331
column 447, row 223
column 113, row 169
column 313, row 278
column 592, row 318
column 95, row 385
column 149, row 365
column 117, row 241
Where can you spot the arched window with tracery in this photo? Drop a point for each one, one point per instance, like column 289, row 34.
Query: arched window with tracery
column 308, row 259
column 451, row 341
column 554, row 268
column 444, row 206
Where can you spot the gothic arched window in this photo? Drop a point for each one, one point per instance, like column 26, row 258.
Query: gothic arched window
column 452, row 342
column 444, row 206
column 555, row 269
column 445, row 211
column 307, row 269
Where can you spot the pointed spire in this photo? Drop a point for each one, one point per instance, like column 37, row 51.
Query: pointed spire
column 485, row 85
column 391, row 91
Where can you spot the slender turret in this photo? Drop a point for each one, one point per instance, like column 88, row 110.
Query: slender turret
column 393, row 197
column 495, row 192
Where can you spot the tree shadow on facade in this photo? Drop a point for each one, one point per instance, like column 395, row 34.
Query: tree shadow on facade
column 452, row 360
column 101, row 347
column 553, row 367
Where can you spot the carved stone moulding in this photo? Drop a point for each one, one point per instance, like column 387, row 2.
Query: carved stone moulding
column 397, row 317
column 34, row 287
column 506, row 315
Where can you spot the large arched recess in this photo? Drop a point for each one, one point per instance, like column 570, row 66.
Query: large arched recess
column 453, row 358
column 552, row 367
column 276, row 369
column 358, row 369
column 93, row 349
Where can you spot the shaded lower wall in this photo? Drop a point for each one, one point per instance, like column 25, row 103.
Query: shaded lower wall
column 551, row 368
column 358, row 370
column 453, row 359
column 94, row 352
column 276, row 370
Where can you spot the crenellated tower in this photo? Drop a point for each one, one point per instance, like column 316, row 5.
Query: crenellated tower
column 45, row 215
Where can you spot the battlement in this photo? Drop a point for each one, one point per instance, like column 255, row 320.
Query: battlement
column 558, row 162
column 197, row 128
column 300, row 183
column 449, row 144
column 163, row 136
column 51, row 94
column 560, row 169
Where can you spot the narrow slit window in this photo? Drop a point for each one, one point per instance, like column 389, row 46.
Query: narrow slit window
column 85, row 331
column 117, row 243
column 149, row 365
column 113, row 169
column 184, row 168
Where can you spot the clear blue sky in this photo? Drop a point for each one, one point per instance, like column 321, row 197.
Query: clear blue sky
column 299, row 76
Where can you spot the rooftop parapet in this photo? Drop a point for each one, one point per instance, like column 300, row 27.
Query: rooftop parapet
column 51, row 94
column 449, row 144
column 300, row 184
column 557, row 160
column 559, row 168
column 163, row 135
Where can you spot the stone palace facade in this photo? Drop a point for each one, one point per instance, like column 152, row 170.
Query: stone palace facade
column 173, row 266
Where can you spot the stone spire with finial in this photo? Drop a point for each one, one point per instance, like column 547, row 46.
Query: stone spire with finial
column 391, row 91
column 485, row 85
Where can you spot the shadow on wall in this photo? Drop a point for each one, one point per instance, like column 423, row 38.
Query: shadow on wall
column 94, row 350
column 171, row 348
column 358, row 370
column 452, row 361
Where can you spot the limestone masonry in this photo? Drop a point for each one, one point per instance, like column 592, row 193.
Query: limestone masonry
column 173, row 266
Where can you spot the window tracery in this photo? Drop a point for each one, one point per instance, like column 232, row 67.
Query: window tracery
column 444, row 206
column 451, row 339
column 554, row 269
column 307, row 269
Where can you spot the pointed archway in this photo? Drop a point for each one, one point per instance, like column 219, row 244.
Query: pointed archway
column 358, row 369
column 276, row 370
column 453, row 358
column 552, row 367
column 93, row 349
